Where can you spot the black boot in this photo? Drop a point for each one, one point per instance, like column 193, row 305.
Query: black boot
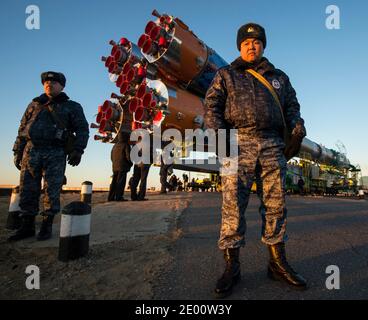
column 46, row 228
column 26, row 230
column 279, row 269
column 231, row 275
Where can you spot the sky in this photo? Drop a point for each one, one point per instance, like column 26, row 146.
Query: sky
column 327, row 68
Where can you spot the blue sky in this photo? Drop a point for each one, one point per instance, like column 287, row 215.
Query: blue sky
column 328, row 68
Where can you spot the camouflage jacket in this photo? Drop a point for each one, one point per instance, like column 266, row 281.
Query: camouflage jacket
column 38, row 126
column 236, row 99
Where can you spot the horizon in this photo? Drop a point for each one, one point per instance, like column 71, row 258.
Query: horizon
column 327, row 67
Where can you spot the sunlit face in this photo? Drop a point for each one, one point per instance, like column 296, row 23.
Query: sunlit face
column 52, row 88
column 251, row 50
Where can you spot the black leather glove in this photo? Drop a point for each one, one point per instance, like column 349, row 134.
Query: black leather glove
column 17, row 161
column 299, row 130
column 293, row 146
column 74, row 158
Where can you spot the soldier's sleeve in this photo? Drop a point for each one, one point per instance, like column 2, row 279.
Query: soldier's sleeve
column 215, row 100
column 79, row 126
column 292, row 107
column 20, row 141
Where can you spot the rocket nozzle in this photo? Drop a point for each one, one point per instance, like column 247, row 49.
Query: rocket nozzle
column 112, row 67
column 121, row 56
column 134, row 104
column 94, row 126
column 108, row 61
column 142, row 39
column 112, row 114
column 106, row 105
column 99, row 117
column 126, row 68
column 147, row 98
column 141, row 91
column 97, row 137
column 156, row 14
column 120, row 80
column 105, row 126
column 140, row 113
column 115, row 96
column 124, row 42
column 149, row 27
column 124, row 87
column 130, row 75
column 150, row 47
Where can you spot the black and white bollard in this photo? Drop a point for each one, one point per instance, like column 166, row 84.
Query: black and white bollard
column 86, row 192
column 75, row 228
column 14, row 220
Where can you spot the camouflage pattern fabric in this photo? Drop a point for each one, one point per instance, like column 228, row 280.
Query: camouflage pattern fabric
column 37, row 163
column 261, row 159
column 236, row 100
column 42, row 150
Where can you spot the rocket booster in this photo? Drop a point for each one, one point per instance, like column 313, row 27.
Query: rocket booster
column 162, row 81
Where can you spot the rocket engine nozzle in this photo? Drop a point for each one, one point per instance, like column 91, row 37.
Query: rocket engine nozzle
column 94, row 126
column 99, row 138
column 134, row 104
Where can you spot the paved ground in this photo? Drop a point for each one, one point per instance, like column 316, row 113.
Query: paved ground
column 322, row 232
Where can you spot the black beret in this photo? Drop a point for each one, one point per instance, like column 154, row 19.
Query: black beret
column 54, row 76
column 251, row 30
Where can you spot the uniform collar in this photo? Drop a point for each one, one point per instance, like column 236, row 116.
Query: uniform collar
column 261, row 67
column 43, row 98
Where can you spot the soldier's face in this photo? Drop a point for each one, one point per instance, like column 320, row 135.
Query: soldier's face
column 251, row 50
column 52, row 88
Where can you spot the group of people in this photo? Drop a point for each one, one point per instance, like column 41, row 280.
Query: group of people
column 121, row 165
column 249, row 95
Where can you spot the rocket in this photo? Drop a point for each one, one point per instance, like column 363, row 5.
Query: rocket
column 162, row 81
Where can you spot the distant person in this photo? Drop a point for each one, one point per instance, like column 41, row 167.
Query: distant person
column 140, row 175
column 121, row 164
column 185, row 181
column 180, row 185
column 43, row 145
column 173, row 182
column 165, row 167
column 193, row 184
column 301, row 184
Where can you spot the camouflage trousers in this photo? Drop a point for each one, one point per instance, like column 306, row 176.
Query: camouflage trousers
column 262, row 160
column 42, row 162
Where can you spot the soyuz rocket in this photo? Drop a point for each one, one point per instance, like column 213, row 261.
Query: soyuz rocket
column 162, row 81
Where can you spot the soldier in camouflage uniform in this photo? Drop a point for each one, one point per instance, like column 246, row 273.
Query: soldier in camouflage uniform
column 238, row 100
column 39, row 152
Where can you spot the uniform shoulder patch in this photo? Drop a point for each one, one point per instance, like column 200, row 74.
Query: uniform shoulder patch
column 276, row 84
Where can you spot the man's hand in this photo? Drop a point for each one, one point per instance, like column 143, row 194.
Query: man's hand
column 293, row 147
column 299, row 131
column 17, row 161
column 74, row 158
